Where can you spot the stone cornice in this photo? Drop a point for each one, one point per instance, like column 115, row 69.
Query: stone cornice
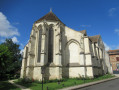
column 58, row 54
column 88, row 53
column 86, row 37
column 32, row 36
column 43, row 53
column 32, row 54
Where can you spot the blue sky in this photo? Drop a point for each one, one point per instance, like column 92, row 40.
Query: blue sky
column 96, row 16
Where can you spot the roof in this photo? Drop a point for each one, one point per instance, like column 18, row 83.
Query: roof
column 113, row 51
column 49, row 16
column 94, row 38
column 83, row 32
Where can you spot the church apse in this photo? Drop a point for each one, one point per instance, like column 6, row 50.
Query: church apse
column 63, row 52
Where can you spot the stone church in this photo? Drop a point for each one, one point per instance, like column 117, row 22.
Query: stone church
column 55, row 51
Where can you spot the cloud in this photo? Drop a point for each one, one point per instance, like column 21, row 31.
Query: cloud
column 14, row 39
column 117, row 31
column 112, row 11
column 21, row 52
column 107, row 47
column 6, row 29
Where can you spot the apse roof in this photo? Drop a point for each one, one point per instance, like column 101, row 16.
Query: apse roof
column 83, row 32
column 50, row 17
column 94, row 38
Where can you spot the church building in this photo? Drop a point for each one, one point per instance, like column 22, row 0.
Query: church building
column 55, row 51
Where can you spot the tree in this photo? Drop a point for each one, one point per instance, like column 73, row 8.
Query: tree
column 15, row 60
column 5, row 57
column 14, row 48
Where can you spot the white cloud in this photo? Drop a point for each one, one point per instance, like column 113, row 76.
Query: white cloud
column 112, row 11
column 6, row 29
column 14, row 39
column 117, row 31
column 21, row 52
column 107, row 47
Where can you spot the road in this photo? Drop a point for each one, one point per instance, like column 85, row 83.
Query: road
column 109, row 85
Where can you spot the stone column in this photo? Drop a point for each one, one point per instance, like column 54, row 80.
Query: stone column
column 58, row 48
column 24, row 63
column 88, row 57
column 83, row 62
column 93, row 46
column 97, row 50
column 100, row 51
column 31, row 57
column 36, row 47
column 43, row 46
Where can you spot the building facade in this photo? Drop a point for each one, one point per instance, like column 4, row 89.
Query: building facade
column 114, row 60
column 55, row 51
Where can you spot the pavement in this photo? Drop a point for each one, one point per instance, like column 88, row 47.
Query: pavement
column 19, row 86
column 89, row 84
column 109, row 85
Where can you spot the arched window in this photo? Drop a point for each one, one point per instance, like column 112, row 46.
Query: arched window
column 50, row 44
column 39, row 45
column 73, row 53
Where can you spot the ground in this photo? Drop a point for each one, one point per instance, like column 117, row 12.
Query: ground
column 5, row 85
column 110, row 85
column 54, row 85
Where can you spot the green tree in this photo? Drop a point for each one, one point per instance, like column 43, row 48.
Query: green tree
column 15, row 60
column 5, row 57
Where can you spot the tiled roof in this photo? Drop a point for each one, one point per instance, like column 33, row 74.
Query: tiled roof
column 117, row 50
column 83, row 32
column 114, row 52
column 49, row 16
column 94, row 38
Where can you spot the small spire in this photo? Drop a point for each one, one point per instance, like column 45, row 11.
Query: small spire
column 50, row 9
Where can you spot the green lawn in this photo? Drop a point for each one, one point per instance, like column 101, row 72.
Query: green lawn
column 53, row 85
column 5, row 85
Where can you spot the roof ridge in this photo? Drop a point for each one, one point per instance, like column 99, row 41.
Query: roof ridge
column 49, row 16
column 94, row 35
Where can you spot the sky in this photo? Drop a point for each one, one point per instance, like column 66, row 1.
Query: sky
column 98, row 17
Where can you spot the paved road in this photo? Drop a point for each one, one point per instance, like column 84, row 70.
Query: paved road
column 109, row 85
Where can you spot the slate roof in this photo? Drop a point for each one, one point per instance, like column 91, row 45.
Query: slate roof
column 49, row 16
column 83, row 32
column 94, row 38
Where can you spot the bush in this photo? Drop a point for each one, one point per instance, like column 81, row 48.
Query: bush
column 24, row 80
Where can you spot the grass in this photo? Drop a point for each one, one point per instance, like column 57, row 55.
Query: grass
column 5, row 85
column 53, row 84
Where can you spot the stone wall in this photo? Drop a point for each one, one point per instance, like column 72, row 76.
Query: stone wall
column 73, row 53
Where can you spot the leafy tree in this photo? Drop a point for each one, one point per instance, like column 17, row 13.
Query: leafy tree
column 15, row 60
column 14, row 48
column 5, row 57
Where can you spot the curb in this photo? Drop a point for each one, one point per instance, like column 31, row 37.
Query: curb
column 88, row 84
